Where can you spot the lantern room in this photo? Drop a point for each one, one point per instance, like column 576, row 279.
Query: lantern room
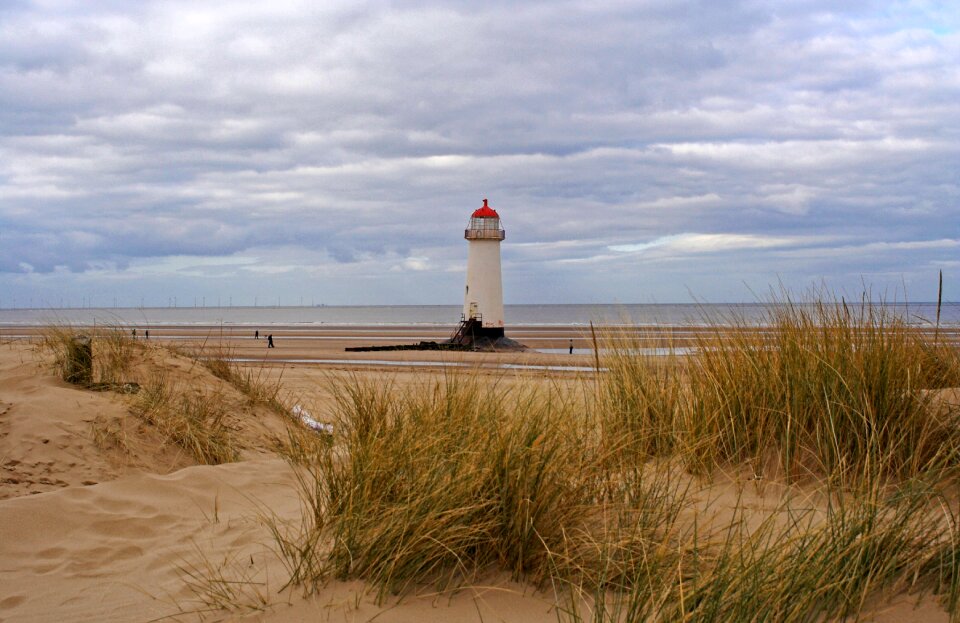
column 484, row 225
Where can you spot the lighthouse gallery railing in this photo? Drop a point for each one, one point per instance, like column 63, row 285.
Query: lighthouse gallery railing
column 484, row 234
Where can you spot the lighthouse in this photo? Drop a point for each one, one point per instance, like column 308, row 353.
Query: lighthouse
column 483, row 295
column 481, row 325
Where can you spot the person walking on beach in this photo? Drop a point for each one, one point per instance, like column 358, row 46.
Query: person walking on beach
column 270, row 341
column 571, row 347
column 256, row 334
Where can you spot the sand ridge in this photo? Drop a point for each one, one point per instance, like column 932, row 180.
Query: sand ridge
column 90, row 533
column 46, row 431
column 53, row 434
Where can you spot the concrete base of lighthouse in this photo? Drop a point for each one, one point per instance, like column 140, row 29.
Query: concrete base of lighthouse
column 472, row 335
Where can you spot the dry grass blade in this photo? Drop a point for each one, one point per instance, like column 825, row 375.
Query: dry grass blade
column 195, row 421
column 230, row 584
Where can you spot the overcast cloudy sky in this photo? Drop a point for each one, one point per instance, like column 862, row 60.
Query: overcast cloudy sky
column 637, row 151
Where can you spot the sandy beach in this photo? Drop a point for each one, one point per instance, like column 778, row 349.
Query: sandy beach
column 97, row 534
column 103, row 520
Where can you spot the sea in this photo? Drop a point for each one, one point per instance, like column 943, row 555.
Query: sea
column 919, row 314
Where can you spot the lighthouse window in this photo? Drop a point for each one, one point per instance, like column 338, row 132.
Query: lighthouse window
column 485, row 223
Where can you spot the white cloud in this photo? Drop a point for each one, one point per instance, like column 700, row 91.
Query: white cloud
column 174, row 264
column 819, row 154
column 708, row 243
column 416, row 263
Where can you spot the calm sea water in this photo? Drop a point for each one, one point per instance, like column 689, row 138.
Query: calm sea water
column 432, row 315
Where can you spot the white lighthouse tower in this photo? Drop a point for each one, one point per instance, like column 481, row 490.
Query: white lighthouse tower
column 483, row 297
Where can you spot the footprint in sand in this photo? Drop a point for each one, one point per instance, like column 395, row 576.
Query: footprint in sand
column 124, row 528
column 4, row 424
column 52, row 483
column 12, row 602
column 51, row 553
column 91, row 560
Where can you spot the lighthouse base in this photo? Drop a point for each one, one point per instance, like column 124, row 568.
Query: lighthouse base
column 472, row 335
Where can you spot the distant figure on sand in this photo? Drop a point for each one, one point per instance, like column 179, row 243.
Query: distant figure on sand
column 270, row 341
column 256, row 334
column 146, row 334
column 571, row 347
column 134, row 332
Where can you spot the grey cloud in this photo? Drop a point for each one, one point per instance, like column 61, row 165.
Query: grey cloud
column 368, row 133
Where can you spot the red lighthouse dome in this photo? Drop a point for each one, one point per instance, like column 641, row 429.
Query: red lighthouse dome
column 485, row 212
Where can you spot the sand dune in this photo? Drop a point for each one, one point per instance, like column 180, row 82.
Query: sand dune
column 115, row 552
column 92, row 532
column 95, row 531
column 111, row 552
column 45, row 431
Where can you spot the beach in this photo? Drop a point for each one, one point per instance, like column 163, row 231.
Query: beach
column 103, row 519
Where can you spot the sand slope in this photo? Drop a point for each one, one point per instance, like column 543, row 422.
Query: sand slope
column 54, row 435
column 46, row 434
column 111, row 552
column 116, row 552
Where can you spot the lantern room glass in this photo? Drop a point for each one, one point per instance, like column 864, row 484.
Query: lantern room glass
column 484, row 223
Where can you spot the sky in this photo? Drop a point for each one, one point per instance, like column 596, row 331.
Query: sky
column 654, row 151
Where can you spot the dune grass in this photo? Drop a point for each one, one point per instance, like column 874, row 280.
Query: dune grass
column 821, row 388
column 111, row 434
column 816, row 568
column 90, row 356
column 193, row 419
column 601, row 489
column 798, row 564
column 225, row 582
column 441, row 481
column 102, row 358
column 253, row 382
column 299, row 444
